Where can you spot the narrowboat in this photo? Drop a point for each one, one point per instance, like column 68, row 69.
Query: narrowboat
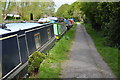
column 59, row 29
column 59, row 26
column 18, row 41
column 70, row 24
column 67, row 24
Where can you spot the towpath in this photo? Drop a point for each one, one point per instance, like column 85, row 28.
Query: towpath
column 84, row 60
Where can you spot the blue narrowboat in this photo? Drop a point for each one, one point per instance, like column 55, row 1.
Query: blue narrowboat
column 18, row 41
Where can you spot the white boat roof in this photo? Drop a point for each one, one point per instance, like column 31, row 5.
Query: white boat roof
column 53, row 18
column 19, row 26
column 2, row 31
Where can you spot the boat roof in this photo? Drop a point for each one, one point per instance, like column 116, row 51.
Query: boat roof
column 18, row 26
column 53, row 18
column 2, row 31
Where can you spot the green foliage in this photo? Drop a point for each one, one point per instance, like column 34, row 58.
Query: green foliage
column 70, row 11
column 0, row 13
column 38, row 9
column 90, row 11
column 103, row 16
column 62, row 11
column 109, row 19
column 51, row 67
column 34, row 62
column 113, row 32
column 74, row 11
column 109, row 54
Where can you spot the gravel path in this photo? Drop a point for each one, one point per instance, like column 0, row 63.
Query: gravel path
column 84, row 60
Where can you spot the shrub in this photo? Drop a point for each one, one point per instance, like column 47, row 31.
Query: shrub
column 34, row 62
column 113, row 32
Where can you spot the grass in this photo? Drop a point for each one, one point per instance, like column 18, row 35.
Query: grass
column 109, row 54
column 51, row 67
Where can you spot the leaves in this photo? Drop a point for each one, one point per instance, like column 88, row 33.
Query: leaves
column 38, row 9
column 103, row 16
column 62, row 11
column 34, row 61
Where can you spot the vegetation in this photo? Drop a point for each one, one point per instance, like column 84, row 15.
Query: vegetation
column 62, row 11
column 109, row 54
column 0, row 13
column 70, row 11
column 103, row 16
column 51, row 67
column 104, row 20
column 34, row 62
column 24, row 9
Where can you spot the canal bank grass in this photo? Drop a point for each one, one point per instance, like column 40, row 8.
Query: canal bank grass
column 51, row 66
column 109, row 54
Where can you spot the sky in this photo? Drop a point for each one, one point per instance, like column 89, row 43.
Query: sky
column 58, row 3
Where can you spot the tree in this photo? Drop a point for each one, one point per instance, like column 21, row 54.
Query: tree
column 38, row 9
column 24, row 9
column 62, row 11
column 103, row 16
column 0, row 13
column 90, row 10
column 74, row 11
column 5, row 8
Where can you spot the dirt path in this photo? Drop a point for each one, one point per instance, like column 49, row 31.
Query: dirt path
column 84, row 60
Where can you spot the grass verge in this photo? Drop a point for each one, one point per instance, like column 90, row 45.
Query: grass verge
column 51, row 67
column 109, row 54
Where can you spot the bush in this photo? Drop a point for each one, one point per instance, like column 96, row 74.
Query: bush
column 34, row 62
column 113, row 32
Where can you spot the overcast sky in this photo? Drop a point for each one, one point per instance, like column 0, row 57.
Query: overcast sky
column 58, row 3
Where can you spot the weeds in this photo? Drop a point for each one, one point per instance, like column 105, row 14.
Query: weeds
column 51, row 67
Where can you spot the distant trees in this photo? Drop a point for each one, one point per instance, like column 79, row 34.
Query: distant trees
column 103, row 16
column 5, row 8
column 62, row 11
column 74, row 11
column 24, row 9
column 39, row 9
column 0, row 13
column 70, row 11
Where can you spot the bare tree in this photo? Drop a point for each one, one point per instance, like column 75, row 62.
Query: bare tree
column 24, row 9
column 5, row 8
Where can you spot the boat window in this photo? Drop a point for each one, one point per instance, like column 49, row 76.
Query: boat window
column 37, row 40
column 49, row 33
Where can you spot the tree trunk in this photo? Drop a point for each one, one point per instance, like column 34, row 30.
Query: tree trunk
column 5, row 16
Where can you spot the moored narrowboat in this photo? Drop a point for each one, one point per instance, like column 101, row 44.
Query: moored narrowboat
column 59, row 29
column 59, row 26
column 18, row 41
